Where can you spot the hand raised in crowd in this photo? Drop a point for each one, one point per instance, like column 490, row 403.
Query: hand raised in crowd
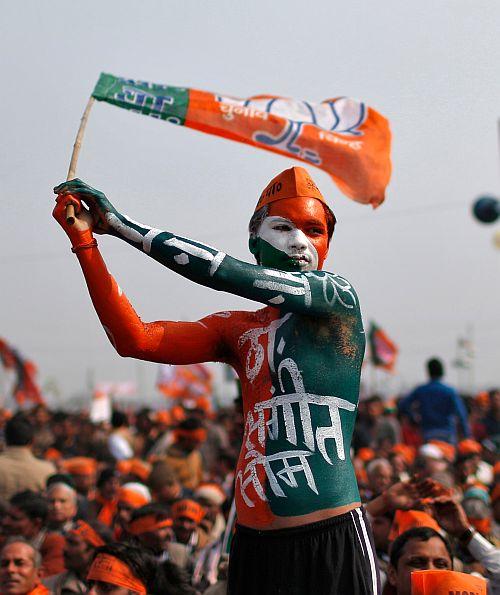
column 92, row 208
column 405, row 495
column 450, row 515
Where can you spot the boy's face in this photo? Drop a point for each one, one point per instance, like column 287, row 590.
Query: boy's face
column 294, row 235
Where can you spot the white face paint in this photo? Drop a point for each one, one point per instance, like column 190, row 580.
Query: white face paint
column 283, row 235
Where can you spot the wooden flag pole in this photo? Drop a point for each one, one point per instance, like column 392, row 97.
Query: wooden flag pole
column 70, row 208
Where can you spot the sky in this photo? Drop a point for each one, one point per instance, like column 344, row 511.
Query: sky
column 423, row 268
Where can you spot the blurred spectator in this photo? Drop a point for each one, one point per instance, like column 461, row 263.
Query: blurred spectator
column 103, row 506
column 126, row 566
column 20, row 569
column 26, row 517
column 436, row 407
column 19, row 469
column 184, row 456
column 120, row 440
column 380, row 476
column 62, row 507
column 81, row 543
column 187, row 516
column 151, row 526
column 83, row 470
column 165, row 485
column 130, row 497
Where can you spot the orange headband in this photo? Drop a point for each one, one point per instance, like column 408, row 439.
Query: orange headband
column 189, row 509
column 132, row 498
column 147, row 523
column 108, row 569
column 89, row 535
column 200, row 435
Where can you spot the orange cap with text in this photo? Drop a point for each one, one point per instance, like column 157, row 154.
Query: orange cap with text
column 291, row 183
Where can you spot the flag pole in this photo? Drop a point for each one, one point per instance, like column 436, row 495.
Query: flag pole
column 70, row 208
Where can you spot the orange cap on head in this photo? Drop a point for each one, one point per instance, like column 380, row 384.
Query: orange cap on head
column 408, row 519
column 469, row 446
column 291, row 183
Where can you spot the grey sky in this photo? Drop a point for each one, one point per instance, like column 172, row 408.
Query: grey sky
column 422, row 267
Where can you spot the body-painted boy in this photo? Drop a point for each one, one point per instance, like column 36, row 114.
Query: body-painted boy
column 300, row 528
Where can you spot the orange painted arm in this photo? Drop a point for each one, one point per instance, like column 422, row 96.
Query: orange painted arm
column 161, row 341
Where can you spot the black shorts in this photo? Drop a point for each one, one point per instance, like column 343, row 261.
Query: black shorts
column 331, row 557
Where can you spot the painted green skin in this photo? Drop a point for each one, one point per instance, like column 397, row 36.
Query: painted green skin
column 317, row 375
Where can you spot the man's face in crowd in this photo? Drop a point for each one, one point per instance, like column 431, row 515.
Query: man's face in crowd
column 418, row 555
column 61, row 504
column 380, row 478
column 294, row 235
column 124, row 513
column 157, row 540
column 183, row 528
column 18, row 574
column 84, row 483
column 77, row 554
column 167, row 494
column 110, row 488
column 16, row 522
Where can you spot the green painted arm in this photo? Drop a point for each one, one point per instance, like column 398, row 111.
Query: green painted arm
column 316, row 293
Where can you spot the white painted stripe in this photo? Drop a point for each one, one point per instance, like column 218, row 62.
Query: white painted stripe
column 121, row 228
column 216, row 262
column 280, row 287
column 279, row 299
column 369, row 550
column 190, row 248
column 148, row 239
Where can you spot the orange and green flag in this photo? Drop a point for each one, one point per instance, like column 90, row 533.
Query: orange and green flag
column 342, row 136
column 382, row 349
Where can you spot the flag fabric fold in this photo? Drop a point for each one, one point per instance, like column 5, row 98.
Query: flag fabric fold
column 342, row 136
column 25, row 386
column 188, row 382
column 383, row 350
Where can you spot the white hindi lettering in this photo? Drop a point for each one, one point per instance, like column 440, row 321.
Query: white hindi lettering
column 313, row 440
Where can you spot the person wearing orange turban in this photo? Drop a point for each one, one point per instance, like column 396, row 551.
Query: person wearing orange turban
column 299, row 360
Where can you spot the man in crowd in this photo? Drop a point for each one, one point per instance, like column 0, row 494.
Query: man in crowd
column 165, row 485
column 27, row 517
column 62, row 507
column 436, row 407
column 184, row 456
column 187, row 516
column 79, row 551
column 19, row 469
column 83, row 470
column 421, row 548
column 120, row 439
column 151, row 526
column 20, row 569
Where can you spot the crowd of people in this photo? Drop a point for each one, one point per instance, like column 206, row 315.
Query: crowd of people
column 143, row 504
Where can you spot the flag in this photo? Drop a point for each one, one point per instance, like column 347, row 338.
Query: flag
column 25, row 386
column 342, row 136
column 191, row 381
column 383, row 351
